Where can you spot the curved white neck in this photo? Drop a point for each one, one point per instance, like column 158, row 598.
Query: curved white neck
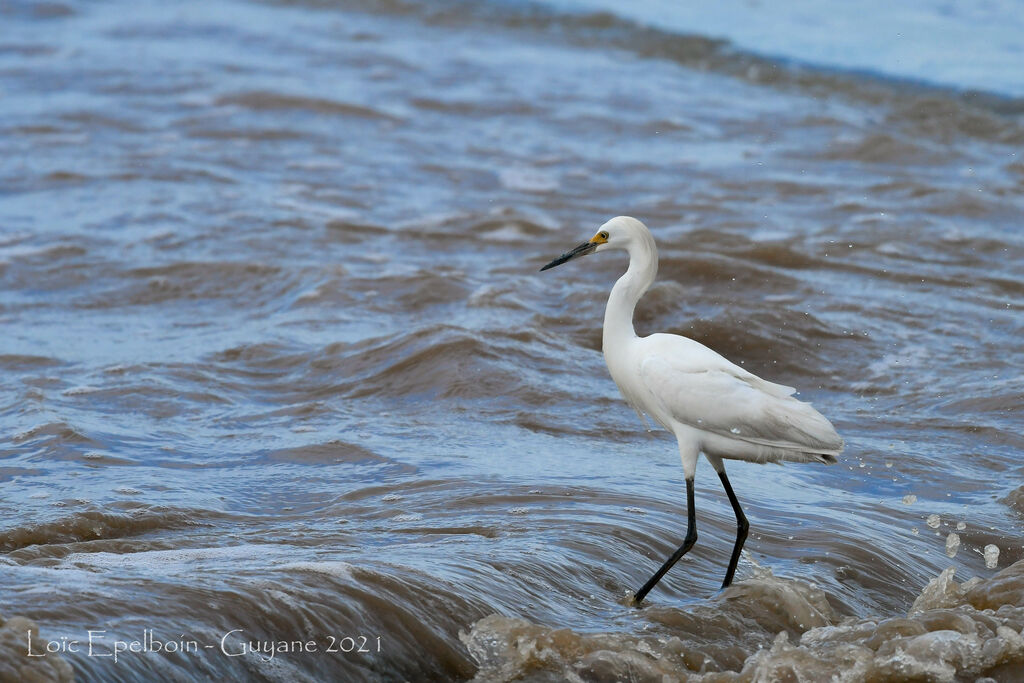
column 618, row 314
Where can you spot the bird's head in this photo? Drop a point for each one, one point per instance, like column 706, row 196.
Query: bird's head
column 618, row 233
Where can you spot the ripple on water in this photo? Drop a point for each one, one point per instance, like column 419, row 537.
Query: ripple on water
column 271, row 101
column 189, row 282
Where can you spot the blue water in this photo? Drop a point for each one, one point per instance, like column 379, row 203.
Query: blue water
column 961, row 45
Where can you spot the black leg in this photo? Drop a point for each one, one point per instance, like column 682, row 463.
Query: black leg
column 741, row 529
column 691, row 538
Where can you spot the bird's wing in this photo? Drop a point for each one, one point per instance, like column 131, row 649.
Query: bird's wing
column 697, row 387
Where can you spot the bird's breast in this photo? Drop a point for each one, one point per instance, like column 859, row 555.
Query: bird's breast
column 624, row 367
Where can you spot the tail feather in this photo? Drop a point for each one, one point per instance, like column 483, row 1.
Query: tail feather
column 825, row 458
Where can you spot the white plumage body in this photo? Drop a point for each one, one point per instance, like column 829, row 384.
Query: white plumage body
column 715, row 407
column 710, row 404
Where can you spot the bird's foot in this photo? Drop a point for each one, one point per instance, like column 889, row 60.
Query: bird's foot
column 631, row 599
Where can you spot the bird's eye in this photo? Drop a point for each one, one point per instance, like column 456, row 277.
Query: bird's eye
column 603, row 235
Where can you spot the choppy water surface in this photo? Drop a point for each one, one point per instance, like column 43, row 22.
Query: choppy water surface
column 278, row 365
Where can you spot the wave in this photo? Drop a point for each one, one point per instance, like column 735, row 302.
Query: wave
column 21, row 361
column 15, row 666
column 194, row 281
column 507, row 366
column 770, row 628
column 929, row 106
column 438, row 360
column 269, row 101
column 93, row 525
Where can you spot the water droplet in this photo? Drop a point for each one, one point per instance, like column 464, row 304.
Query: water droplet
column 952, row 544
column 934, row 521
column 991, row 556
column 909, row 499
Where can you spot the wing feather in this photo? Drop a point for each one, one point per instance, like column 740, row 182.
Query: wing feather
column 697, row 387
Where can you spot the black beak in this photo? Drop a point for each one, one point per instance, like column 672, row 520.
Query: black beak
column 582, row 250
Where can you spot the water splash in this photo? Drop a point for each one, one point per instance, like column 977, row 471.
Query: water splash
column 785, row 630
column 952, row 544
column 991, row 556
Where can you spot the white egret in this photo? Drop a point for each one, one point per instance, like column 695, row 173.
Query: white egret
column 711, row 405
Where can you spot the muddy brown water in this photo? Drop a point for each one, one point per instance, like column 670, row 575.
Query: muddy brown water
column 279, row 371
